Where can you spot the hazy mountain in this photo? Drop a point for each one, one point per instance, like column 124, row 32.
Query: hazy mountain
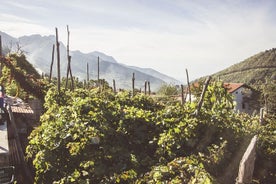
column 7, row 42
column 103, row 56
column 38, row 50
column 156, row 74
column 255, row 68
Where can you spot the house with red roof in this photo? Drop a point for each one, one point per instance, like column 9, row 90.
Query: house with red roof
column 242, row 95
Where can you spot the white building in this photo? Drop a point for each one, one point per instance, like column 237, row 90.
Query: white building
column 242, row 94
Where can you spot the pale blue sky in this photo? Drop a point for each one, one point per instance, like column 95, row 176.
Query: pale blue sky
column 203, row 36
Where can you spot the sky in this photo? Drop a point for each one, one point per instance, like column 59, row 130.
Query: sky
column 202, row 36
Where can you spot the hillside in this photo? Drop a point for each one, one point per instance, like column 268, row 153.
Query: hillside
column 38, row 50
column 255, row 68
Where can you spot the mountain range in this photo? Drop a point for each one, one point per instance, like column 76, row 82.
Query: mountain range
column 38, row 50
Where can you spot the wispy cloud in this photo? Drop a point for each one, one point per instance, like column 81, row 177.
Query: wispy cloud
column 168, row 35
column 13, row 18
column 25, row 5
column 19, row 26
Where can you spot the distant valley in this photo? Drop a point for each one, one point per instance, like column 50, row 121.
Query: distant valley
column 38, row 50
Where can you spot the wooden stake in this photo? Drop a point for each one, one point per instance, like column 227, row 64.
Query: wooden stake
column 189, row 88
column 71, row 76
column 247, row 163
column 98, row 71
column 202, row 95
column 146, row 87
column 133, row 80
column 87, row 74
column 149, row 87
column 114, row 86
column 52, row 62
column 69, row 71
column 182, row 95
column 58, row 62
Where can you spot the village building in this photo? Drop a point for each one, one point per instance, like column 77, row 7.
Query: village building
column 242, row 96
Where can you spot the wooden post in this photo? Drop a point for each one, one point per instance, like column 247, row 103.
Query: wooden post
column 71, row 76
column 69, row 71
column 87, row 71
column 87, row 74
column 149, row 87
column 202, row 95
column 247, row 163
column 114, row 86
column 98, row 71
column 52, row 62
column 146, row 87
column 189, row 88
column 58, row 62
column 133, row 80
column 182, row 95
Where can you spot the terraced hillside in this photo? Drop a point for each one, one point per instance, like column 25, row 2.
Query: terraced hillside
column 255, row 68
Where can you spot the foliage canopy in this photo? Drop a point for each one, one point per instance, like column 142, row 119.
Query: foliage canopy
column 94, row 136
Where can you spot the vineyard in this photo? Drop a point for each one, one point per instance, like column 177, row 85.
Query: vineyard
column 98, row 136
column 93, row 134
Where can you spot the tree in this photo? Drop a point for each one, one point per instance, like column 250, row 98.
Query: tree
column 168, row 90
column 18, row 71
